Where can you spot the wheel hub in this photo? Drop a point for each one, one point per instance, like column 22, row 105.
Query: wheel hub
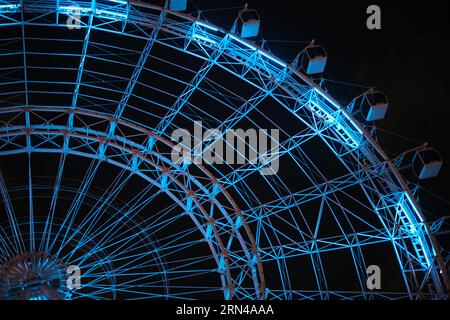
column 33, row 276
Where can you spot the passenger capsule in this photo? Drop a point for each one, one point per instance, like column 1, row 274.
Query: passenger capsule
column 248, row 23
column 316, row 59
column 178, row 5
column 427, row 163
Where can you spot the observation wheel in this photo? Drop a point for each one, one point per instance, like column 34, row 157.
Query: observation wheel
column 92, row 179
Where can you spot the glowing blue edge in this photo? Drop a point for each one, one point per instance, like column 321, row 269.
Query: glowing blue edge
column 200, row 37
column 338, row 107
column 206, row 26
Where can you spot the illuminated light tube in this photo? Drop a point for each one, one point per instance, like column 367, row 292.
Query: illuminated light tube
column 259, row 51
column 425, row 253
column 272, row 58
column 9, row 6
column 355, row 143
column 242, row 42
column 206, row 26
column 330, row 118
column 338, row 107
column 327, row 98
column 349, row 134
column 413, row 227
column 111, row 14
column 411, row 202
column 197, row 36
column 74, row 8
column 352, row 122
column 119, row 1
column 416, row 233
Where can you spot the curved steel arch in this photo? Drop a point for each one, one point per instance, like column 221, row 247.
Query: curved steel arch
column 349, row 141
column 178, row 174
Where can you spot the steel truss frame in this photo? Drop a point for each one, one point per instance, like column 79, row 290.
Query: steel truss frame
column 369, row 167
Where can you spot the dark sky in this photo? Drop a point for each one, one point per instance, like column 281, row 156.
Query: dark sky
column 408, row 59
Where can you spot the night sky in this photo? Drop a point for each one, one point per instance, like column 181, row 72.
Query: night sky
column 408, row 59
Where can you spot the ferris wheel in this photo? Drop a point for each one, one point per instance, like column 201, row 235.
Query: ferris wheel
column 94, row 206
